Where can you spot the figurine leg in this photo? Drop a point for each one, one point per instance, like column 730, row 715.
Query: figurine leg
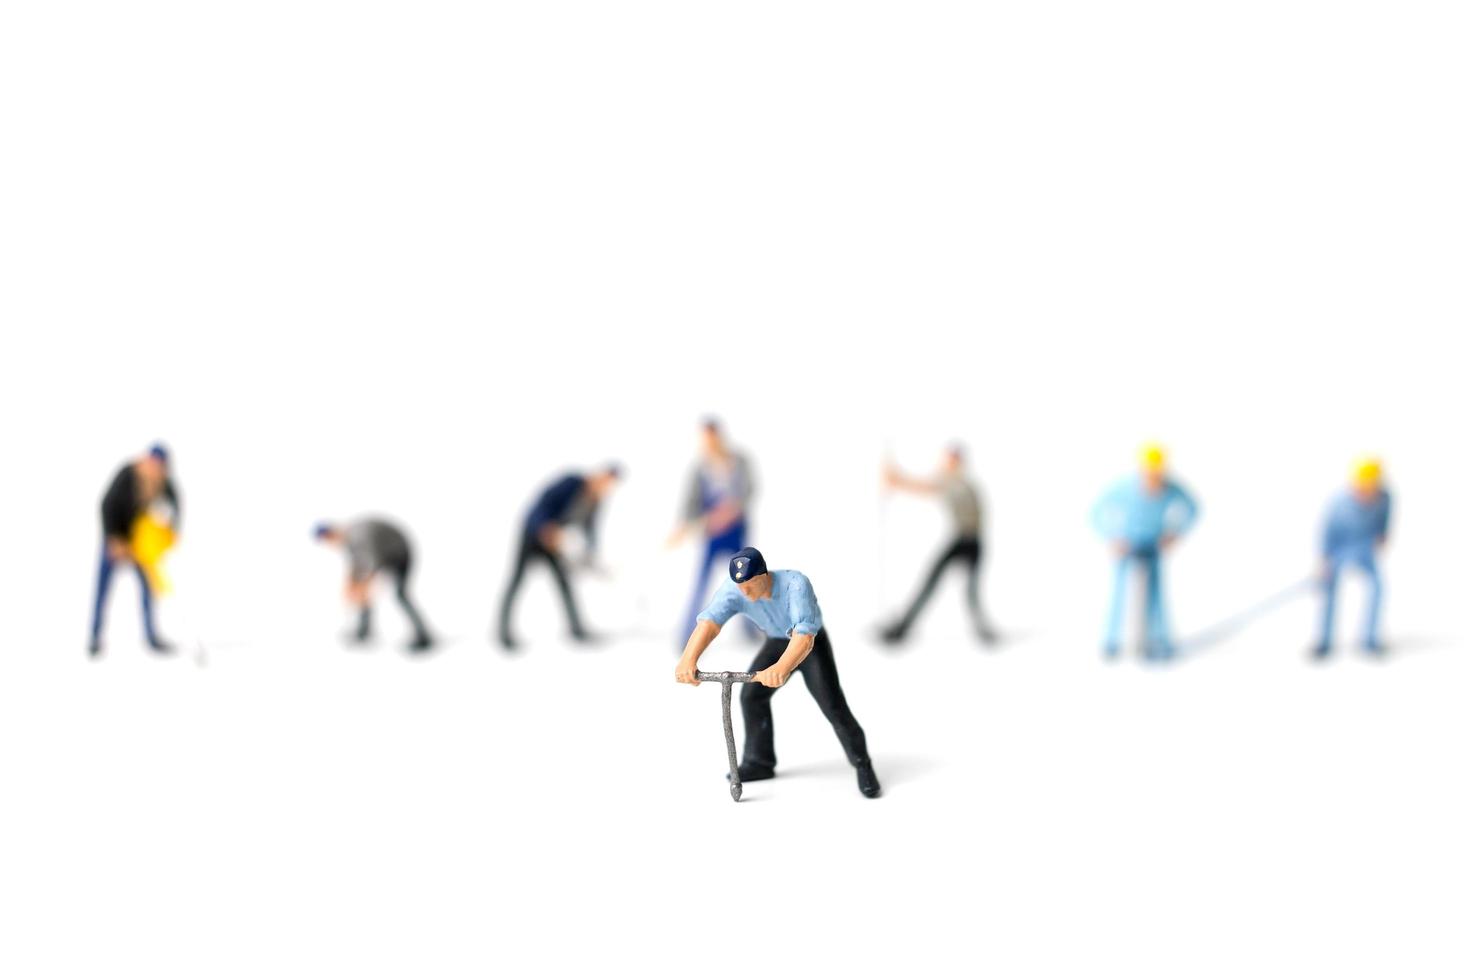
column 364, row 624
column 523, row 558
column 1329, row 610
column 755, row 710
column 901, row 628
column 819, row 671
column 1375, row 602
column 564, row 586
column 421, row 640
column 145, row 595
column 99, row 603
column 1159, row 643
column 1113, row 633
column 973, row 556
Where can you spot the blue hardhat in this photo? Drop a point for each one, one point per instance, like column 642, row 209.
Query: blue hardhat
column 321, row 530
column 159, row 452
column 746, row 564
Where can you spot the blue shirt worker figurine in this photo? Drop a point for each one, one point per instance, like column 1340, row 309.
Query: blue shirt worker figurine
column 1142, row 516
column 784, row 607
column 1356, row 528
column 136, row 489
column 716, row 504
column 571, row 500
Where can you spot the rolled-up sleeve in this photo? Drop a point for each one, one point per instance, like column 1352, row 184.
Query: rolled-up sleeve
column 722, row 607
column 801, row 606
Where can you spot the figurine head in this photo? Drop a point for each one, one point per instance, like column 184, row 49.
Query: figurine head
column 1153, row 465
column 1367, row 478
column 327, row 533
column 154, row 463
column 600, row 484
column 711, row 436
column 954, row 458
column 748, row 572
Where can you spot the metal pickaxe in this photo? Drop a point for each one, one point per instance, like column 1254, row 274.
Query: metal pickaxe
column 727, row 679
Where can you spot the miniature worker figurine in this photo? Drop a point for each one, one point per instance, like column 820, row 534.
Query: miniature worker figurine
column 571, row 500
column 962, row 499
column 784, row 606
column 376, row 546
column 140, row 487
column 1356, row 528
column 719, row 494
column 1142, row 516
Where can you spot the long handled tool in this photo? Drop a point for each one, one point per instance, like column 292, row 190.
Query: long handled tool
column 728, row 679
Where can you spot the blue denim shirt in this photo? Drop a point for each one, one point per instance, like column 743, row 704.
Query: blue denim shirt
column 790, row 608
column 1130, row 512
column 1353, row 527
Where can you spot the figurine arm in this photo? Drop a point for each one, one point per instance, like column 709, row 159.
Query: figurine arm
column 780, row 671
column 896, row 479
column 704, row 634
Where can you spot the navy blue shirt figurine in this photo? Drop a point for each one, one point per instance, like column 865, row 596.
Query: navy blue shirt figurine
column 784, row 607
column 571, row 500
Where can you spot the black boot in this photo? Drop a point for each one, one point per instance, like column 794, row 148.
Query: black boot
column 868, row 781
column 753, row 774
column 94, row 648
column 161, row 647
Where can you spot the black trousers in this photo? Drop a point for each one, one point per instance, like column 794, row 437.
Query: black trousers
column 398, row 571
column 819, row 670
column 533, row 550
column 967, row 550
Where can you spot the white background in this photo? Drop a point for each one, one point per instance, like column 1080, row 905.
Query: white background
column 414, row 259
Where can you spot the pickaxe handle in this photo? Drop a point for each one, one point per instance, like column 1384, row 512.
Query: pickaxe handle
column 728, row 679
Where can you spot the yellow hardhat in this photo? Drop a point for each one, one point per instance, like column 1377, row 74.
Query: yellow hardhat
column 1151, row 456
column 1368, row 471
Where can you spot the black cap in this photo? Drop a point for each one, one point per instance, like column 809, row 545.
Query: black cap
column 746, row 565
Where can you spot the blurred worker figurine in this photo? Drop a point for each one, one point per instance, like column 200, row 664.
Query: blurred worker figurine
column 1357, row 527
column 138, row 491
column 571, row 500
column 1143, row 516
column 962, row 499
column 784, row 606
column 375, row 546
column 719, row 493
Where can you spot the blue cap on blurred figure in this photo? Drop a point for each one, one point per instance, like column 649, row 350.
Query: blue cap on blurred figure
column 746, row 565
column 159, row 452
column 321, row 530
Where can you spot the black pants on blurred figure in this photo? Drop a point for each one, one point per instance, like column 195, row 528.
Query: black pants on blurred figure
column 968, row 551
column 533, row 550
column 819, row 670
column 398, row 572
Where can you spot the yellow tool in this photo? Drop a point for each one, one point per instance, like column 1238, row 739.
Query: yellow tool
column 151, row 540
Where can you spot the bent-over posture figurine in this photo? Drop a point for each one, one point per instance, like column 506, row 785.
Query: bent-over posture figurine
column 1355, row 531
column 571, row 500
column 375, row 546
column 785, row 608
column 137, row 488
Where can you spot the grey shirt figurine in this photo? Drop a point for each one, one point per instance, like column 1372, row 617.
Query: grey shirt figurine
column 957, row 491
column 375, row 546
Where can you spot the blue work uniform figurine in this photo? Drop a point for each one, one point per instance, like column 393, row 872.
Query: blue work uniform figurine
column 716, row 503
column 1142, row 516
column 1356, row 528
column 784, row 607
